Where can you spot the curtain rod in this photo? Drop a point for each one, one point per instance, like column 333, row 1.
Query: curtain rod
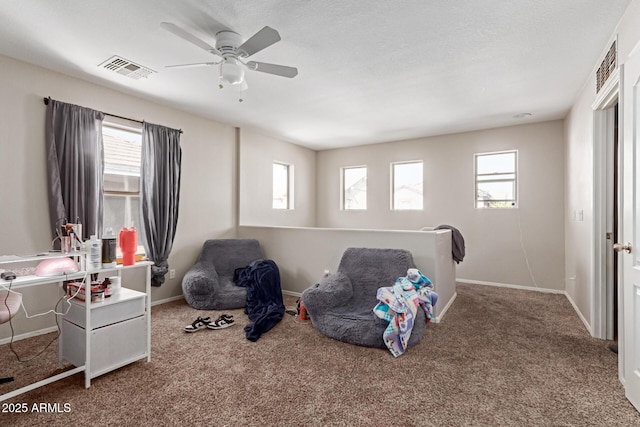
column 47, row 99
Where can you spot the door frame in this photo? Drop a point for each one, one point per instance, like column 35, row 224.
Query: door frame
column 602, row 313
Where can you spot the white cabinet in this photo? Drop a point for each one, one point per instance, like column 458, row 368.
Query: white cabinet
column 96, row 337
column 127, row 304
column 111, row 346
column 117, row 333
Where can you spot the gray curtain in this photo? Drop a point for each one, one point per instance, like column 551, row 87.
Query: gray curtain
column 73, row 138
column 159, row 194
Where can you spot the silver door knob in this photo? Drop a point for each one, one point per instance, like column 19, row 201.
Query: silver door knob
column 619, row 247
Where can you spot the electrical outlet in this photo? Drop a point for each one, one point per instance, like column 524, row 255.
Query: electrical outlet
column 172, row 273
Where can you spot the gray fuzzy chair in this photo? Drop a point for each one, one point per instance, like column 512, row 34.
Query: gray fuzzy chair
column 208, row 285
column 341, row 305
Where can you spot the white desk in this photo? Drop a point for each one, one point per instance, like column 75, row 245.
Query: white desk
column 124, row 317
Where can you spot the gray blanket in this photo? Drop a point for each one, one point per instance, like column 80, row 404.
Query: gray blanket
column 457, row 242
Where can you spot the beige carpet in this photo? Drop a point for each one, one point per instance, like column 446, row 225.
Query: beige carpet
column 501, row 357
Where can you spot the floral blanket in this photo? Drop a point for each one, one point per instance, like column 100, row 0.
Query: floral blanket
column 399, row 305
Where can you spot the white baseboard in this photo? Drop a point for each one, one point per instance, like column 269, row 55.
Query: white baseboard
column 579, row 313
column 507, row 285
column 166, row 300
column 29, row 335
column 438, row 318
column 293, row 294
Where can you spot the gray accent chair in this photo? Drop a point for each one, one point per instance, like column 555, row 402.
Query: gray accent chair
column 208, row 285
column 341, row 305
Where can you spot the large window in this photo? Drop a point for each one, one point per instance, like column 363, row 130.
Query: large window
column 496, row 179
column 354, row 188
column 406, row 186
column 282, row 186
column 122, row 155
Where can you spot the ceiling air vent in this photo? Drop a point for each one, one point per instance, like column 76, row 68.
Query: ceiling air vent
column 608, row 66
column 126, row 68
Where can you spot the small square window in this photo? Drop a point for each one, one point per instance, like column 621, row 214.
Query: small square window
column 496, row 179
column 354, row 188
column 406, row 186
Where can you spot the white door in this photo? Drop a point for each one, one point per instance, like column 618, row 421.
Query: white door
column 630, row 249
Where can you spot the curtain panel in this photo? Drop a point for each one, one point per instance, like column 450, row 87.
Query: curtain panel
column 73, row 139
column 159, row 194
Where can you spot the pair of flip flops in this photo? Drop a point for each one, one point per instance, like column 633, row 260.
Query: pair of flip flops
column 223, row 321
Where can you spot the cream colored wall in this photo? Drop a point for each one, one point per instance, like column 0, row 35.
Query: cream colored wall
column 628, row 31
column 578, row 134
column 257, row 154
column 492, row 236
column 579, row 198
column 304, row 253
column 208, row 187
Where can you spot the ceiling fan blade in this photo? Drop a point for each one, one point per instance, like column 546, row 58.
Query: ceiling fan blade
column 278, row 70
column 260, row 40
column 196, row 64
column 174, row 29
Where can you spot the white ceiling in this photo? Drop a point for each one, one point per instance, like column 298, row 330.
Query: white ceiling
column 369, row 70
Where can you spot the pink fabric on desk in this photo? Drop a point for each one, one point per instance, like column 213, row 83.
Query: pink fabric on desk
column 12, row 301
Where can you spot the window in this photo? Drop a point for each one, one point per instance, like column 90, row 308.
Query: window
column 122, row 156
column 496, row 179
column 282, row 186
column 406, row 186
column 354, row 188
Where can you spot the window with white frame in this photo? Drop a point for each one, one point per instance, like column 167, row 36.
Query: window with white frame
column 496, row 179
column 122, row 157
column 406, row 186
column 354, row 188
column 282, row 186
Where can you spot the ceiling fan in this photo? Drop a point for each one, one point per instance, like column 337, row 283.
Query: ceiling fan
column 232, row 51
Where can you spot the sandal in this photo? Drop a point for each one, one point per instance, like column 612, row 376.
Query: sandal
column 199, row 323
column 224, row 321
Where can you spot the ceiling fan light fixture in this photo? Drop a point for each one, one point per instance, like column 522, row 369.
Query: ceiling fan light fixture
column 232, row 71
column 229, row 47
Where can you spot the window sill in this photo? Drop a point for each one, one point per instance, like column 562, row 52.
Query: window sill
column 139, row 257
